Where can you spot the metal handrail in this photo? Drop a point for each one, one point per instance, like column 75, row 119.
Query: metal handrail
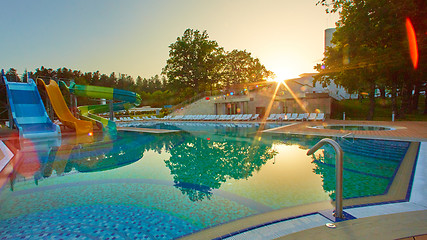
column 338, row 172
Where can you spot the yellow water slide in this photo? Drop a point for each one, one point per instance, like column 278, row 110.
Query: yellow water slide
column 62, row 111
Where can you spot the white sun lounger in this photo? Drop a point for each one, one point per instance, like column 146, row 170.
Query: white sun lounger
column 255, row 117
column 320, row 116
column 312, row 117
column 272, row 117
column 302, row 117
column 287, row 117
column 293, row 117
column 238, row 117
column 246, row 117
column 281, row 117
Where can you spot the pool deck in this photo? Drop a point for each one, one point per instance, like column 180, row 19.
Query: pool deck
column 393, row 220
column 404, row 130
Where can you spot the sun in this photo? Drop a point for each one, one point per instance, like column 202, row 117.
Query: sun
column 282, row 75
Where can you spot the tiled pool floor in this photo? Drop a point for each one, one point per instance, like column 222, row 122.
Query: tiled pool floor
column 96, row 222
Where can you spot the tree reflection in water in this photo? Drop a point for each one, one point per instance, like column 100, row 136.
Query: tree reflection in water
column 199, row 165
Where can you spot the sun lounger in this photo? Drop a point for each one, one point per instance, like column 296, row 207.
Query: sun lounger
column 272, row 117
column 312, row 117
column 302, row 117
column 281, row 117
column 293, row 117
column 246, row 117
column 255, row 117
column 320, row 116
column 287, row 117
column 238, row 117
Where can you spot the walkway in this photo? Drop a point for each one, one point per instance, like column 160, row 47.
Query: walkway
column 405, row 130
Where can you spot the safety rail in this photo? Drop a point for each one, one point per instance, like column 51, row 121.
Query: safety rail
column 338, row 172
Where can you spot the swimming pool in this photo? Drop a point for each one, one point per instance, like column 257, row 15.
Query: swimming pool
column 168, row 185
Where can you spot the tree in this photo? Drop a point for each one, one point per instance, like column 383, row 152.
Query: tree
column 240, row 67
column 371, row 48
column 12, row 75
column 191, row 61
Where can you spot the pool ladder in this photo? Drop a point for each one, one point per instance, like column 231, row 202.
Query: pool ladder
column 338, row 172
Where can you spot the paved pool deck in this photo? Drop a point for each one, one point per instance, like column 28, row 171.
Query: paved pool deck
column 404, row 130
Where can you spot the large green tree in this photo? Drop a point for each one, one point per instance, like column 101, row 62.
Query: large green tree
column 197, row 64
column 371, row 49
column 191, row 63
column 239, row 67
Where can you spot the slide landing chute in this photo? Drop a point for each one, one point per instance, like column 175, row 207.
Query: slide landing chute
column 62, row 111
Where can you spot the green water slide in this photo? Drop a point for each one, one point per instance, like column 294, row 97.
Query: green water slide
column 126, row 100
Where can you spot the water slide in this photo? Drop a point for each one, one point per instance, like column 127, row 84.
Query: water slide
column 62, row 110
column 28, row 111
column 127, row 100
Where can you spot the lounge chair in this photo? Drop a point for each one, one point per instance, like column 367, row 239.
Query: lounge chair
column 212, row 117
column 312, row 117
column 302, row 117
column 287, row 116
column 255, row 117
column 238, row 117
column 281, row 117
column 272, row 117
column 293, row 117
column 320, row 116
column 246, row 117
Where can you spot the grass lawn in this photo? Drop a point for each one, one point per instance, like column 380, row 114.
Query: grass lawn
column 358, row 110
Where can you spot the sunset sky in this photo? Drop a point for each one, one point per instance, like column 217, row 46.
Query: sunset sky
column 133, row 36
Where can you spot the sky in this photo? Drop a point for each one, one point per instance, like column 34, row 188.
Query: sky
column 133, row 36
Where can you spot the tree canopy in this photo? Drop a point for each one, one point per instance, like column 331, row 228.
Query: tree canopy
column 197, row 64
column 371, row 50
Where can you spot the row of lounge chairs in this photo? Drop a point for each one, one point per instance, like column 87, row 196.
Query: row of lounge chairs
column 130, row 119
column 235, row 117
column 297, row 117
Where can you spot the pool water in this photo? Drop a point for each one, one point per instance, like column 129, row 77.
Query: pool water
column 163, row 186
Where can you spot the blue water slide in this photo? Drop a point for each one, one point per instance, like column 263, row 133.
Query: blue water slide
column 28, row 111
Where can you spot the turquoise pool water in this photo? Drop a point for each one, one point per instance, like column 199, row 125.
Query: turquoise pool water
column 163, row 186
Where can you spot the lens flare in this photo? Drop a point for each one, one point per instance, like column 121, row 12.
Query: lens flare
column 412, row 40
